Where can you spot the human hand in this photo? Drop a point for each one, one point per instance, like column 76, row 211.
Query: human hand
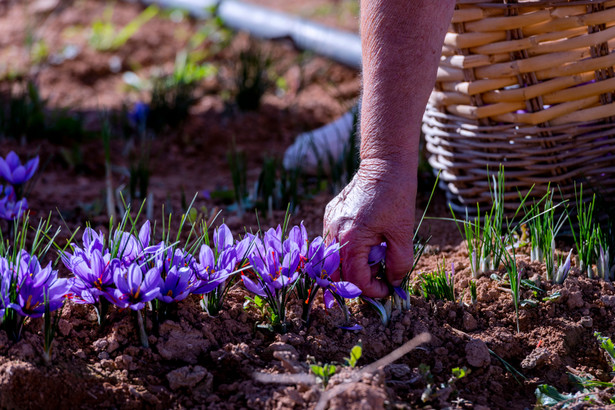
column 377, row 206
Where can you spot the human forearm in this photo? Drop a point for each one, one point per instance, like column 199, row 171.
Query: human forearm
column 402, row 42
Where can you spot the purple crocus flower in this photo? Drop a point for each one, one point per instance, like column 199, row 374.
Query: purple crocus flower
column 92, row 266
column 130, row 248
column 15, row 173
column 10, row 207
column 322, row 263
column 274, row 270
column 5, row 281
column 377, row 254
column 299, row 236
column 35, row 285
column 223, row 238
column 245, row 247
column 134, row 288
column 93, row 275
column 211, row 273
column 176, row 286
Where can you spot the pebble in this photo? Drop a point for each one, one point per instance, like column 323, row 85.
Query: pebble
column 469, row 323
column 65, row 327
column 107, row 364
column 575, row 300
column 477, row 353
column 608, row 300
column 113, row 346
column 100, row 344
column 186, row 376
column 586, row 321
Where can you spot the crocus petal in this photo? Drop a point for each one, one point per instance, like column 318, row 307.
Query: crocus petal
column 401, row 293
column 353, row 327
column 12, row 160
column 253, row 287
column 144, row 234
column 328, row 299
column 223, row 238
column 5, row 171
column 332, row 261
column 206, row 257
column 31, row 167
column 245, row 246
column 322, row 282
column 377, row 254
column 18, row 176
column 346, row 290
column 134, row 277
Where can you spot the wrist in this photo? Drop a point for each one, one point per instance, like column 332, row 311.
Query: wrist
column 389, row 173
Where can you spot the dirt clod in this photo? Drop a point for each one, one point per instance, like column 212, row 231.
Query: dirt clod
column 477, row 353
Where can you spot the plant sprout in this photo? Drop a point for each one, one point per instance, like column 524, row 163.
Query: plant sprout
column 439, row 284
column 562, row 270
column 604, row 267
column 473, row 291
column 543, row 231
column 585, row 237
column 514, row 278
column 484, row 244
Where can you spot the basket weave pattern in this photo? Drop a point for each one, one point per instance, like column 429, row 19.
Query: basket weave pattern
column 529, row 84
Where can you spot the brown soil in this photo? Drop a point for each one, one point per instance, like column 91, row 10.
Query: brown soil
column 196, row 361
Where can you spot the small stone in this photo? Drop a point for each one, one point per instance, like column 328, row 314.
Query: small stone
column 575, row 300
column 477, row 353
column 81, row 354
column 398, row 371
column 103, row 355
column 280, row 347
column 186, row 376
column 469, row 323
column 175, row 343
column 107, row 364
column 100, row 344
column 113, row 346
column 124, row 361
column 586, row 321
column 608, row 300
column 538, row 357
column 65, row 327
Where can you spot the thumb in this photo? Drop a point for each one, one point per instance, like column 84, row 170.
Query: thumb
column 399, row 258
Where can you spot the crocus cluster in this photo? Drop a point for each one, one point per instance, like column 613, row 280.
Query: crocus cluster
column 12, row 204
column 129, row 271
column 279, row 264
column 26, row 287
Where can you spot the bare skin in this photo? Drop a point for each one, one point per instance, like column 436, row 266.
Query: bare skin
column 402, row 42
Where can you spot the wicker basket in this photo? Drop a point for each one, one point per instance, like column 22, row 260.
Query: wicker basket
column 529, row 84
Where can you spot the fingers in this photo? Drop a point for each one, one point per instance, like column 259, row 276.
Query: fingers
column 355, row 267
column 356, row 270
column 399, row 258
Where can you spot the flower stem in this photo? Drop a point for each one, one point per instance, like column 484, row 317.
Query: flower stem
column 141, row 327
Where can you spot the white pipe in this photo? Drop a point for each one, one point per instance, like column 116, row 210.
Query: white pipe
column 341, row 46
